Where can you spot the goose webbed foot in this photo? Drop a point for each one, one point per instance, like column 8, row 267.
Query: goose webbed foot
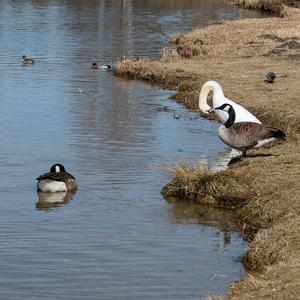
column 235, row 160
column 238, row 158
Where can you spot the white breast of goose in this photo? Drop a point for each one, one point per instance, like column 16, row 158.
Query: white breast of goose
column 51, row 186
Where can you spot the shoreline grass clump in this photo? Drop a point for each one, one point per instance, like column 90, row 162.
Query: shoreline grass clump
column 195, row 182
column 278, row 7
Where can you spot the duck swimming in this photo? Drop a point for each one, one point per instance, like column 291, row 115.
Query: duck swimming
column 27, row 61
column 94, row 65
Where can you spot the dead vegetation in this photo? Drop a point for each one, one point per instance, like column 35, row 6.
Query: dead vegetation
column 278, row 7
column 199, row 184
column 264, row 189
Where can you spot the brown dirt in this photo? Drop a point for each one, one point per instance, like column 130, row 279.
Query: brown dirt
column 264, row 189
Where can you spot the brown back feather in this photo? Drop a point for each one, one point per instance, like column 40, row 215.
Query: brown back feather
column 250, row 133
column 57, row 176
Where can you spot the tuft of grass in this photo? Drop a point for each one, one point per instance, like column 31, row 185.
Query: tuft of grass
column 168, row 53
column 195, row 182
column 274, row 244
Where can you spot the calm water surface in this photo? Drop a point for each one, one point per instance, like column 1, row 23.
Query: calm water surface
column 116, row 238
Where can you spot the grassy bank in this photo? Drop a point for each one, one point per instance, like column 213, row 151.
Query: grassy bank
column 278, row 7
column 263, row 189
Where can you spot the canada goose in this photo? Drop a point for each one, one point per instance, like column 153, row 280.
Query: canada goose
column 245, row 135
column 27, row 61
column 242, row 114
column 57, row 180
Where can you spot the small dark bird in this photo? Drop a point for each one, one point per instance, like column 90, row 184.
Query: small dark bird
column 27, row 61
column 108, row 67
column 57, row 180
column 94, row 65
column 271, row 76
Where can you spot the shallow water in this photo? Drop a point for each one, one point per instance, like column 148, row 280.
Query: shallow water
column 116, row 238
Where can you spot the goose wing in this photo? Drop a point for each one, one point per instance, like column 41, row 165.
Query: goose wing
column 249, row 134
column 57, row 176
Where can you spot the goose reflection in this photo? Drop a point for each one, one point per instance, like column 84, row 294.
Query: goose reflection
column 49, row 200
column 190, row 213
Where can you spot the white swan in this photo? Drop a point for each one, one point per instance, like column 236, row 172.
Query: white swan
column 242, row 114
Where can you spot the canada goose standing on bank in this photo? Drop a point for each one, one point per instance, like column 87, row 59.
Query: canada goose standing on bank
column 242, row 114
column 57, row 180
column 27, row 61
column 245, row 135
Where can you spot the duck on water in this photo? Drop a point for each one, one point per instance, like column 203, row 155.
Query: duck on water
column 27, row 61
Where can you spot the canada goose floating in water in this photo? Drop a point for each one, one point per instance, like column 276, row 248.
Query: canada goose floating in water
column 242, row 114
column 57, row 180
column 27, row 61
column 245, row 135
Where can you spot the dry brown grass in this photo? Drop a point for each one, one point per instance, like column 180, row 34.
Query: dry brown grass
column 199, row 184
column 261, row 38
column 264, row 190
column 275, row 6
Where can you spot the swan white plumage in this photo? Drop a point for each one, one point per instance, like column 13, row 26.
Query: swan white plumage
column 242, row 114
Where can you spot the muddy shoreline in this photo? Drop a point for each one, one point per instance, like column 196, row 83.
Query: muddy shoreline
column 263, row 189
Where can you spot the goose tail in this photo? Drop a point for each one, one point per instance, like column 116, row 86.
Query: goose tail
column 276, row 133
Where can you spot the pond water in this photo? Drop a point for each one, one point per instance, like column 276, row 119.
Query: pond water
column 116, row 238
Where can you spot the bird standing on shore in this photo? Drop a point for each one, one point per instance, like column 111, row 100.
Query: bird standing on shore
column 27, row 61
column 271, row 76
column 242, row 114
column 57, row 180
column 245, row 135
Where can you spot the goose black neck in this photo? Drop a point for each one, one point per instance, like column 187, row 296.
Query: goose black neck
column 231, row 118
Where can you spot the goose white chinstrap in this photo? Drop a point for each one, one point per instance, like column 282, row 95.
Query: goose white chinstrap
column 57, row 180
column 245, row 135
column 242, row 114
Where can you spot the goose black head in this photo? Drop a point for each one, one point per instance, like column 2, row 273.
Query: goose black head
column 57, row 168
column 231, row 114
column 24, row 56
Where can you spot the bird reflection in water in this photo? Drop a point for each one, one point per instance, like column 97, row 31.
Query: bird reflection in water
column 185, row 212
column 49, row 200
